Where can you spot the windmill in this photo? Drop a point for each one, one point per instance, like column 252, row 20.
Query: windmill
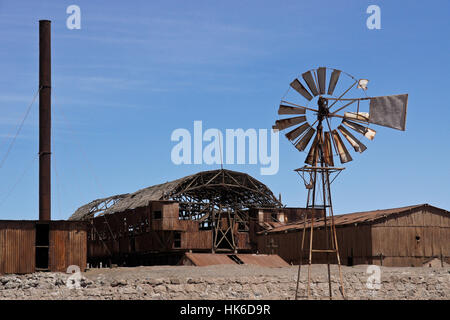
column 322, row 116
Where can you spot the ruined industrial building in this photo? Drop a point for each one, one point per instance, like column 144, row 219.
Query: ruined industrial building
column 212, row 212
column 231, row 213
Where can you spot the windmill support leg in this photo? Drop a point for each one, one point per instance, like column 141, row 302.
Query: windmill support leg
column 331, row 244
column 301, row 254
column 311, row 232
column 334, row 239
column 324, row 178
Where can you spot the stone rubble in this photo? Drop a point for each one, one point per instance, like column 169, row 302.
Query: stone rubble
column 279, row 284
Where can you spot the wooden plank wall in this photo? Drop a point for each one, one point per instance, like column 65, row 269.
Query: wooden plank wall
column 170, row 212
column 197, row 240
column 412, row 239
column 351, row 240
column 136, row 231
column 242, row 240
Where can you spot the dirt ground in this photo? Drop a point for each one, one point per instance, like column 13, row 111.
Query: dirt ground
column 227, row 271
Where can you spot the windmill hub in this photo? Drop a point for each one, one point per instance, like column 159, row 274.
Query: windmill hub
column 322, row 103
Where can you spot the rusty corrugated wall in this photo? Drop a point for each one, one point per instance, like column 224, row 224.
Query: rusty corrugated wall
column 68, row 246
column 17, row 251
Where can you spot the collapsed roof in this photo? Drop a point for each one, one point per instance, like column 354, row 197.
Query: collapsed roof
column 229, row 188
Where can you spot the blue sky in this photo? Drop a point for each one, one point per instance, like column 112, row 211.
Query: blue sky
column 136, row 71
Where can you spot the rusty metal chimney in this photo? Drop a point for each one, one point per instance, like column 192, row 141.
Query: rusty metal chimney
column 44, row 120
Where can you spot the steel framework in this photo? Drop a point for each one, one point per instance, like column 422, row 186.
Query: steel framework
column 319, row 197
column 219, row 200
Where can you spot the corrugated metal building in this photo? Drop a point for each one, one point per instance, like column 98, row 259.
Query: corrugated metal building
column 210, row 211
column 407, row 236
column 29, row 246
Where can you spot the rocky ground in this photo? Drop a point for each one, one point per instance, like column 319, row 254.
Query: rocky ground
column 226, row 282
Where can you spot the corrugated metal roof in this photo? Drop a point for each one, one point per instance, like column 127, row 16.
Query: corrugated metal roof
column 208, row 259
column 263, row 260
column 267, row 225
column 350, row 218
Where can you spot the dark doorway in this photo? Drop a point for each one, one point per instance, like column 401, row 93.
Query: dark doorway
column 42, row 245
column 350, row 259
column 132, row 244
column 177, row 240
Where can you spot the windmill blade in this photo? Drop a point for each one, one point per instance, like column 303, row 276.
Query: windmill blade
column 308, row 77
column 344, row 155
column 328, row 150
column 313, row 153
column 356, row 144
column 322, row 77
column 297, row 86
column 286, row 123
column 333, row 81
column 389, row 111
column 292, row 135
column 358, row 116
column 365, row 131
column 303, row 141
column 291, row 110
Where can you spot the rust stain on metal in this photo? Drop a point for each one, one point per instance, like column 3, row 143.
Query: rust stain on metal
column 263, row 260
column 344, row 155
column 17, row 247
column 208, row 259
column 44, row 119
column 67, row 245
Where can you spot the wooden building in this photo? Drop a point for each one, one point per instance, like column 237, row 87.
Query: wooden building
column 407, row 236
column 29, row 246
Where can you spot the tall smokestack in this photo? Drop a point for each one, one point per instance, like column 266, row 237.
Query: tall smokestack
column 44, row 120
